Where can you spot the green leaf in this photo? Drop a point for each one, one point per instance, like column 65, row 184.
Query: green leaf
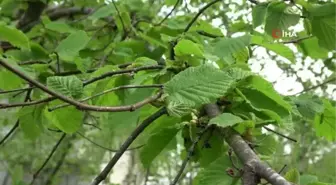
column 211, row 147
column 12, row 81
column 60, row 27
column 323, row 21
column 14, row 36
column 178, row 109
column 170, row 2
column 126, row 21
column 207, row 27
column 69, row 48
column 267, row 145
column 293, row 176
column 151, row 40
column 69, row 86
column 258, row 14
column 240, row 26
column 187, row 47
column 226, row 119
column 102, row 12
column 280, row 49
column 310, row 47
column 321, row 183
column 227, row 47
column 321, row 10
column 156, row 143
column 198, row 85
column 307, row 179
column 238, row 73
column 279, row 18
column 83, row 64
column 324, row 123
column 30, row 119
column 257, row 83
column 308, row 106
column 215, row 173
column 67, row 119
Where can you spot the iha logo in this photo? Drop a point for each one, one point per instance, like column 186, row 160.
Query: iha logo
column 277, row 34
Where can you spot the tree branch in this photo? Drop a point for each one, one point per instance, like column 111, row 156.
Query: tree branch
column 296, row 40
column 108, row 91
column 76, row 72
column 16, row 90
column 254, row 2
column 190, row 154
column 12, row 130
column 34, row 10
column 45, row 100
column 199, row 13
column 65, row 12
column 208, row 34
column 77, row 104
column 47, row 159
column 112, row 73
column 277, row 133
column 166, row 17
column 254, row 168
column 59, row 163
column 103, row 174
column 105, row 148
column 316, row 86
column 121, row 20
column 173, row 43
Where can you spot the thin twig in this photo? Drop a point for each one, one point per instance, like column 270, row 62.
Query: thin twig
column 295, row 41
column 67, row 73
column 277, row 133
column 231, row 159
column 17, row 94
column 59, row 163
column 93, row 125
column 45, row 100
column 190, row 154
column 316, row 86
column 282, row 169
column 77, row 104
column 108, row 91
column 47, row 159
column 173, row 43
column 199, row 13
column 12, row 130
column 166, row 17
column 31, row 63
column 119, row 15
column 208, row 34
column 16, row 90
column 103, row 174
column 58, row 66
column 254, row 2
column 112, row 73
column 105, row 148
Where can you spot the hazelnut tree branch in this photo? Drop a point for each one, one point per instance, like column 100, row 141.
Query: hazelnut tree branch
column 254, row 168
column 77, row 104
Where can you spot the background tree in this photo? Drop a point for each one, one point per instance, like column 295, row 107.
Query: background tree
column 181, row 91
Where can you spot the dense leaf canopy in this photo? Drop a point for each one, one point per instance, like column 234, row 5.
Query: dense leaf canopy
column 175, row 91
